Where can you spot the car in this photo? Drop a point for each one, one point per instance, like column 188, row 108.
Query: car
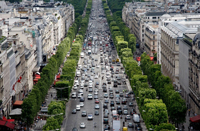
column 97, row 101
column 117, row 91
column 75, row 87
column 85, row 84
column 96, row 97
column 112, row 108
column 130, row 104
column 105, row 95
column 136, row 118
column 105, row 115
column 96, row 106
column 117, row 96
column 124, row 101
column 119, row 112
column 81, row 104
column 119, row 107
column 96, row 93
column 82, row 99
column 105, row 120
column 125, row 107
column 127, row 96
column 130, row 125
column 105, row 106
column 90, row 117
column 89, row 96
column 104, row 89
column 133, row 111
column 80, row 91
column 90, row 90
column 74, row 111
column 111, row 96
column 117, row 101
column 121, row 94
column 125, row 112
column 96, row 76
column 80, row 95
column 84, row 114
column 74, row 129
column 130, row 92
column 128, row 117
column 107, row 127
column 112, row 103
column 97, row 83
column 138, row 127
column 78, row 107
column 82, row 125
column 119, row 82
column 115, row 85
column 103, row 86
column 96, row 112
column 106, row 101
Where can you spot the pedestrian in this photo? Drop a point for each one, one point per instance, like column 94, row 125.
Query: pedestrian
column 191, row 128
column 189, row 112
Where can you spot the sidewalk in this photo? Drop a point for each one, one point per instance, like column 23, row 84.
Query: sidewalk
column 144, row 128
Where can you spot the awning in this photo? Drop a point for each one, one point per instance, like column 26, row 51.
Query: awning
column 36, row 69
column 195, row 119
column 9, row 120
column 10, row 125
column 151, row 58
column 16, row 111
column 2, row 123
column 35, row 80
column 138, row 58
column 18, row 103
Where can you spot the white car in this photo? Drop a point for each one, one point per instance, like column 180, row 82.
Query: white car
column 82, row 125
column 80, row 91
column 75, row 87
column 89, row 96
column 81, row 104
column 82, row 85
column 78, row 107
column 90, row 81
column 90, row 117
column 97, row 66
column 96, row 76
column 96, row 106
column 108, row 75
column 90, row 85
column 76, row 82
column 96, row 92
column 80, row 95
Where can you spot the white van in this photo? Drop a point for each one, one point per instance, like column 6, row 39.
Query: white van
column 136, row 118
column 82, row 54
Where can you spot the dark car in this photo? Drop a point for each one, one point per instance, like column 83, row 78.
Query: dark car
column 74, row 129
column 104, row 89
column 116, row 91
column 82, row 99
column 95, row 96
column 115, row 85
column 138, row 127
column 111, row 96
column 130, row 125
column 107, row 127
column 121, row 94
column 127, row 95
column 133, row 111
column 105, row 120
column 112, row 103
column 105, row 106
column 119, row 107
column 119, row 82
column 117, row 101
column 74, row 111
column 130, row 92
column 130, row 104
column 106, row 101
column 112, row 108
column 96, row 112
column 119, row 112
column 104, row 83
column 124, row 101
column 97, row 83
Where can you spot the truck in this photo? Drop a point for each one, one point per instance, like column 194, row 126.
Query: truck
column 116, row 125
column 116, row 121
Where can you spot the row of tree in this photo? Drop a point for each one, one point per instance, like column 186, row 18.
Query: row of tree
column 176, row 106
column 65, row 84
column 153, row 111
column 56, row 111
column 31, row 105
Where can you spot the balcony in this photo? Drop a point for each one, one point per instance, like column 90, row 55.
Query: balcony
column 2, row 39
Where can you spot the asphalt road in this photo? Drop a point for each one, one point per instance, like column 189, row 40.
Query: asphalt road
column 96, row 24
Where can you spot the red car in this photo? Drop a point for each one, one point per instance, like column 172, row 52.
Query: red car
column 96, row 101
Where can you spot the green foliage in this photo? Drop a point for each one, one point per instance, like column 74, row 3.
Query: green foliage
column 166, row 126
column 51, row 124
column 121, row 45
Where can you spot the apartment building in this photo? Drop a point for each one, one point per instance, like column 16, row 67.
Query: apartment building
column 151, row 39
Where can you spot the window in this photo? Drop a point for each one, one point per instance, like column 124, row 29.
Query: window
column 154, row 37
column 153, row 43
column 154, row 17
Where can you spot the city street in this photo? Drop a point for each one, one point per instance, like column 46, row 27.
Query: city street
column 95, row 73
